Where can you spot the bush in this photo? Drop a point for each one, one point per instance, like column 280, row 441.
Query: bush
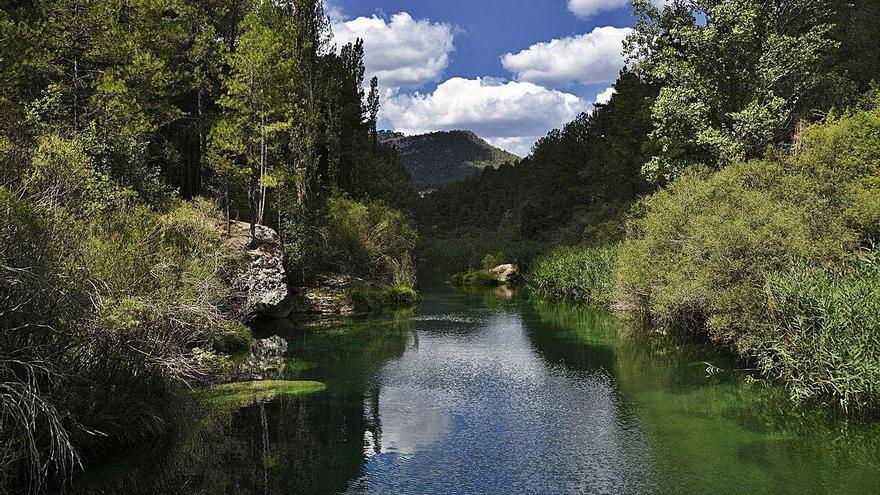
column 370, row 240
column 820, row 333
column 103, row 311
column 578, row 274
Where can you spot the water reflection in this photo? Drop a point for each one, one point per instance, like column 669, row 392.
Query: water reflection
column 482, row 392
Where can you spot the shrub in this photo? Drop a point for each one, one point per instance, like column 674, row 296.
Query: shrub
column 370, row 240
column 103, row 310
column 724, row 253
column 579, row 274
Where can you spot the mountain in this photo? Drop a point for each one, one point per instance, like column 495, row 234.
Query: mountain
column 438, row 158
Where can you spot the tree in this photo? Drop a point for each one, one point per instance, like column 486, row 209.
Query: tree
column 736, row 75
column 248, row 134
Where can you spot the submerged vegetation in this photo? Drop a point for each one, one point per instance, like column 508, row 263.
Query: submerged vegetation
column 236, row 394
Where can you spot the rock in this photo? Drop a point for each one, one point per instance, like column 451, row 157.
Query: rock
column 330, row 297
column 506, row 274
column 261, row 286
column 265, row 362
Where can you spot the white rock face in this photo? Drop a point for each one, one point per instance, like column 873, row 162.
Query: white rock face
column 262, row 285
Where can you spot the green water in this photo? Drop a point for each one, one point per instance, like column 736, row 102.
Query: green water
column 485, row 392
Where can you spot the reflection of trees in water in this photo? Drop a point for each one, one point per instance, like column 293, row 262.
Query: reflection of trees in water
column 711, row 432
column 308, row 445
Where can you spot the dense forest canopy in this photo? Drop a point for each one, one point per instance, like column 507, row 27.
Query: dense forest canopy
column 250, row 103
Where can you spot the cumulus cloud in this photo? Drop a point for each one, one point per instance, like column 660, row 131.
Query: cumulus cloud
column 605, row 96
column 589, row 58
column 587, row 8
column 512, row 114
column 402, row 52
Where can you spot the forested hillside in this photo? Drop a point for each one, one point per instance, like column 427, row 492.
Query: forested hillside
column 580, row 176
column 131, row 135
column 439, row 158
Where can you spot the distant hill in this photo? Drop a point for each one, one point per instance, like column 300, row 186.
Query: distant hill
column 438, row 158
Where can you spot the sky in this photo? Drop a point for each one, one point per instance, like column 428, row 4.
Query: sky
column 509, row 70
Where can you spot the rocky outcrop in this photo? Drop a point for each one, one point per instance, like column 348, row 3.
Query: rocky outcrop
column 330, row 297
column 505, row 274
column 261, row 284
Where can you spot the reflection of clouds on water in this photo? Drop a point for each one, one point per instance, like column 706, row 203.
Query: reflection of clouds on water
column 488, row 414
column 411, row 419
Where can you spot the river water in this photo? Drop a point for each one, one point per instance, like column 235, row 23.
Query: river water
column 485, row 392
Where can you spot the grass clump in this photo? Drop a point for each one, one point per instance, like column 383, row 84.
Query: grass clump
column 476, row 278
column 377, row 299
column 577, row 273
column 242, row 393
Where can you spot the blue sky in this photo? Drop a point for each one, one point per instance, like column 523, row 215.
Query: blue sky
column 487, row 65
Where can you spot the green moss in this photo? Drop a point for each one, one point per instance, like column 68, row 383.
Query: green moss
column 233, row 338
column 244, row 392
column 478, row 278
column 373, row 300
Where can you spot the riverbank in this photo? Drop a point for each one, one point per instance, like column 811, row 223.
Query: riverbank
column 477, row 393
column 773, row 259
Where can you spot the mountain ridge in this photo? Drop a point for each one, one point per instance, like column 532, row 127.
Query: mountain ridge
column 438, row 158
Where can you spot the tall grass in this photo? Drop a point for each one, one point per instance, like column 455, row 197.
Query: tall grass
column 575, row 273
column 821, row 333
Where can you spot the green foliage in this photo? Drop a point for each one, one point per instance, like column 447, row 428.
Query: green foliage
column 476, row 278
column 370, row 240
column 373, row 299
column 578, row 274
column 701, row 251
column 736, row 76
column 820, row 333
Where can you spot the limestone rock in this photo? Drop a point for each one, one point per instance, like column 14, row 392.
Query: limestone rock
column 261, row 285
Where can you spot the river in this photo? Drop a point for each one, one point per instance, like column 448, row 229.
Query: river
column 485, row 392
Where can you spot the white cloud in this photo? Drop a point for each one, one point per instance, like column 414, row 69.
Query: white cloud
column 589, row 58
column 587, row 8
column 403, row 52
column 334, row 12
column 605, row 96
column 519, row 146
column 512, row 115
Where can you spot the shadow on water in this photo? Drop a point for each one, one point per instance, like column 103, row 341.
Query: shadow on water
column 481, row 391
